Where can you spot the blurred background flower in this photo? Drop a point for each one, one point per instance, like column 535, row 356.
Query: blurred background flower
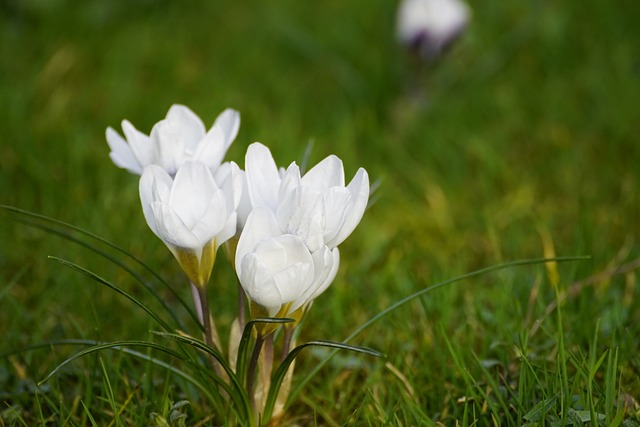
column 430, row 26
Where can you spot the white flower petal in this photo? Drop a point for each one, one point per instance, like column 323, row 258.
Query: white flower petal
column 359, row 188
column 168, row 146
column 293, row 281
column 192, row 192
column 304, row 216
column 290, row 181
column 244, row 206
column 327, row 277
column 338, row 204
column 253, row 274
column 228, row 230
column 290, row 211
column 187, row 212
column 188, row 124
column 121, row 153
column 230, row 179
column 214, row 219
column 229, row 122
column 257, row 282
column 323, row 265
column 328, row 173
column 211, row 149
column 139, row 142
column 263, row 179
column 261, row 224
column 155, row 185
column 278, row 271
column 172, row 230
column 180, row 137
column 281, row 251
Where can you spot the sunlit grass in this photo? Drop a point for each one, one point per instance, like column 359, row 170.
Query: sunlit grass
column 527, row 143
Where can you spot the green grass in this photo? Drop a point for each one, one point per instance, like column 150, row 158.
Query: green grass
column 526, row 147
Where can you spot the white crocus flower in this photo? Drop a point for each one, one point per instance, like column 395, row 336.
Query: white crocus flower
column 430, row 26
column 287, row 254
column 317, row 207
column 193, row 213
column 175, row 140
column 243, row 211
column 277, row 271
column 245, row 207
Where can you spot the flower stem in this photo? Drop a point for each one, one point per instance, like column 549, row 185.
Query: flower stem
column 286, row 345
column 266, row 366
column 242, row 308
column 253, row 366
column 196, row 301
column 210, row 334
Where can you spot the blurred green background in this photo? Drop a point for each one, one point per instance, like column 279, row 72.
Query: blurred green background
column 527, row 130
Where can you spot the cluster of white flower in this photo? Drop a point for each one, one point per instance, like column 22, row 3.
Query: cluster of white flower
column 289, row 225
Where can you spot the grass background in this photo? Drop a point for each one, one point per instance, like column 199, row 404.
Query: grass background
column 526, row 145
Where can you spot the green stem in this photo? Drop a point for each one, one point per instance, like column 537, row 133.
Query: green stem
column 242, row 307
column 266, row 366
column 253, row 366
column 286, row 345
column 209, row 328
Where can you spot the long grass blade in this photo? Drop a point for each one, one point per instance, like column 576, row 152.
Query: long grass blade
column 119, row 290
column 116, row 345
column 118, row 264
column 424, row 291
column 69, row 237
column 236, row 391
column 123, row 346
column 278, row 376
column 129, row 351
column 244, row 344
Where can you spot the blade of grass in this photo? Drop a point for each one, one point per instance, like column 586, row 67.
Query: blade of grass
column 593, row 369
column 120, row 265
column 12, row 282
column 244, row 344
column 421, row 292
column 498, row 396
column 610, row 390
column 131, row 352
column 39, row 406
column 110, row 396
column 122, row 346
column 27, row 214
column 280, row 373
column 116, row 345
column 170, row 368
column 88, row 412
column 562, row 360
column 236, row 391
column 119, row 290
column 538, row 412
column 461, row 368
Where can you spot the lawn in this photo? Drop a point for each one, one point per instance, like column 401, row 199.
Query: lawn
column 521, row 143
